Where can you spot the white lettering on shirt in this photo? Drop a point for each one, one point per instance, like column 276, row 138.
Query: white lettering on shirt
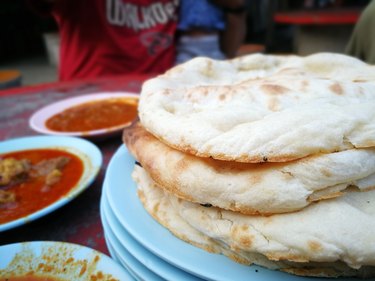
column 139, row 17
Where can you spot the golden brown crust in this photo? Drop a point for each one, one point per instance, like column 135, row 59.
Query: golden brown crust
column 136, row 132
column 290, row 263
column 186, row 176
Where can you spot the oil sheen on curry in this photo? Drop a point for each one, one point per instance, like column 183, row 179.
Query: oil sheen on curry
column 95, row 115
column 33, row 179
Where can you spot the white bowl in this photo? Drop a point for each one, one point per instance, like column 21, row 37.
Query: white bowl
column 38, row 120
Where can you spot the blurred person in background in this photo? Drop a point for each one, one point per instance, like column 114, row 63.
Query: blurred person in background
column 210, row 28
column 362, row 41
column 112, row 37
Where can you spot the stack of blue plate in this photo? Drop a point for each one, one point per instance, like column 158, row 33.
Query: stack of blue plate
column 148, row 250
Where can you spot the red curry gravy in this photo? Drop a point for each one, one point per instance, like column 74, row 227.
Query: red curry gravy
column 95, row 115
column 30, row 194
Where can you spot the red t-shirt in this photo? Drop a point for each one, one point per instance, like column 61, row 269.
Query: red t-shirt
column 107, row 37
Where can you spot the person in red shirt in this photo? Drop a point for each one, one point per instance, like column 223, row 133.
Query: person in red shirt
column 109, row 37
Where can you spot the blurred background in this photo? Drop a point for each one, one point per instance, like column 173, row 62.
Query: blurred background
column 29, row 43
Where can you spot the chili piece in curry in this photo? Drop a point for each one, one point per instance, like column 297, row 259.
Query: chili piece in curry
column 95, row 115
column 33, row 179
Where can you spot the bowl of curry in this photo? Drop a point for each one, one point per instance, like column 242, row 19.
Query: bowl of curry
column 93, row 115
column 41, row 173
column 57, row 261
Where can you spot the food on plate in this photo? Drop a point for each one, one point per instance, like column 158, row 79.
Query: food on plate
column 95, row 115
column 32, row 277
column 263, row 188
column 56, row 261
column 7, row 197
column 13, row 170
column 262, row 108
column 33, row 179
column 237, row 156
column 331, row 238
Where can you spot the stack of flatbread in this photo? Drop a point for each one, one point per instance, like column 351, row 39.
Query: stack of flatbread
column 266, row 159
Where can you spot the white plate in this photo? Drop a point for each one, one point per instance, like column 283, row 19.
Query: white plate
column 38, row 120
column 133, row 265
column 148, row 259
column 85, row 150
column 123, row 200
column 62, row 260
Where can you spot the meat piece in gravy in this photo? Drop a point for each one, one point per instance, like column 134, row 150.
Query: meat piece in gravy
column 13, row 171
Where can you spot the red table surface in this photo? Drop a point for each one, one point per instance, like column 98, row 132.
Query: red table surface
column 318, row 17
column 78, row 221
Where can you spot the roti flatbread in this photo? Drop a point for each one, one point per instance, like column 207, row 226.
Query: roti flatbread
column 245, row 111
column 166, row 209
column 265, row 188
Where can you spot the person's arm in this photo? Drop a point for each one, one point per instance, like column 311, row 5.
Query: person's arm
column 233, row 36
column 233, row 5
column 362, row 40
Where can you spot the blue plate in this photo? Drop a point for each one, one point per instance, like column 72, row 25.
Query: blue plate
column 133, row 265
column 148, row 259
column 114, row 256
column 122, row 198
column 85, row 150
